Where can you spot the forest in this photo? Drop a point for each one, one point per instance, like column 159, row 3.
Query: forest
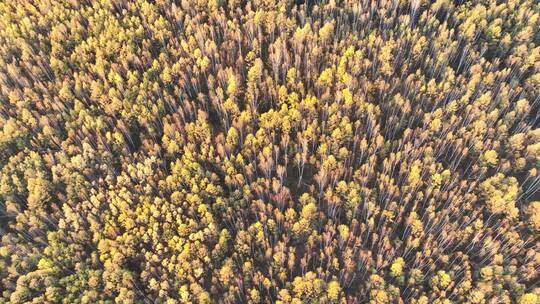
column 269, row 151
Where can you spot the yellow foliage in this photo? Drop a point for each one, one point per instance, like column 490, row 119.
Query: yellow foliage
column 414, row 177
column 490, row 158
column 529, row 298
column 326, row 76
column 533, row 213
column 396, row 269
column 333, row 290
column 500, row 194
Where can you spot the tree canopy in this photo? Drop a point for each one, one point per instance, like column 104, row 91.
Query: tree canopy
column 250, row 151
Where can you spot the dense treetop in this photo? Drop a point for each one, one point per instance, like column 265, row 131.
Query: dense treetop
column 269, row 151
